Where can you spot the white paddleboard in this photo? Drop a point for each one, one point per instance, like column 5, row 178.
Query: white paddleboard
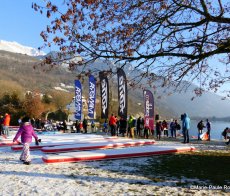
column 97, row 145
column 68, row 142
column 115, row 153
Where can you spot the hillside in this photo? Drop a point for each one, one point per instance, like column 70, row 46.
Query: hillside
column 20, row 69
column 18, row 74
column 17, row 71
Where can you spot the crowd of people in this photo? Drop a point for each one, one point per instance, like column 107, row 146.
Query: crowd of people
column 130, row 127
column 201, row 126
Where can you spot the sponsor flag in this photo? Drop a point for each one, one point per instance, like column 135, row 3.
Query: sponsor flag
column 122, row 93
column 78, row 100
column 92, row 96
column 104, row 91
column 149, row 109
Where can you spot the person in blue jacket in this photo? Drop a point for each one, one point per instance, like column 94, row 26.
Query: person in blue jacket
column 186, row 127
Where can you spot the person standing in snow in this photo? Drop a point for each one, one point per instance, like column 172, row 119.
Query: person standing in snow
column 85, row 125
column 186, row 127
column 26, row 131
column 92, row 126
column 113, row 124
column 172, row 127
column 123, row 126
column 131, row 126
column 200, row 127
column 208, row 126
column 158, row 129
column 165, row 128
column 6, row 124
column 138, row 128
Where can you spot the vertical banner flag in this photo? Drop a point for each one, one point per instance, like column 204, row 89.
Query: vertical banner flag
column 104, row 89
column 92, row 96
column 122, row 93
column 149, row 109
column 78, row 100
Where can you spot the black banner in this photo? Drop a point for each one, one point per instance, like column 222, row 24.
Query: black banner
column 149, row 109
column 122, row 93
column 104, row 89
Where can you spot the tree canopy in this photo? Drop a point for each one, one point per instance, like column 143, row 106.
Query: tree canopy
column 175, row 40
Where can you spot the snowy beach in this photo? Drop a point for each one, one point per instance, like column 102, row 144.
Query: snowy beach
column 108, row 177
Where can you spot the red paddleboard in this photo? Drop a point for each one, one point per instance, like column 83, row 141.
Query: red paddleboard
column 8, row 143
column 61, row 143
column 115, row 153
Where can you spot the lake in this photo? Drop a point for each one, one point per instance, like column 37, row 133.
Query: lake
column 217, row 128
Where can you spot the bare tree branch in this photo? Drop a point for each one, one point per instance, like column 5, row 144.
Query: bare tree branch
column 170, row 38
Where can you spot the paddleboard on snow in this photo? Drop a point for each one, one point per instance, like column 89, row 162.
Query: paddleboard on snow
column 97, row 145
column 114, row 153
column 63, row 142
column 8, row 143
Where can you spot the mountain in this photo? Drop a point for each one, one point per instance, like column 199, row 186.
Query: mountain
column 18, row 48
column 17, row 71
column 25, row 71
column 175, row 104
column 207, row 105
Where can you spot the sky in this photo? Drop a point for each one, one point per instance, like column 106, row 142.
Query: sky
column 20, row 23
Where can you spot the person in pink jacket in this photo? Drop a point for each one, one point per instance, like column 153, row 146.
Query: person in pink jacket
column 26, row 132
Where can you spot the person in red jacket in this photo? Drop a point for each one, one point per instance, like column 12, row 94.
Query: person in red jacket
column 6, row 124
column 113, row 124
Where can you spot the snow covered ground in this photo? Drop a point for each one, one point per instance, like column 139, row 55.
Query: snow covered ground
column 111, row 177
